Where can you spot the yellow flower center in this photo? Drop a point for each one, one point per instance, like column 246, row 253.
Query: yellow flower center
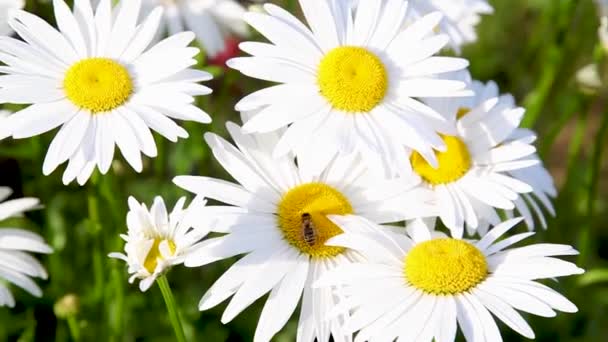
column 154, row 255
column 445, row 266
column 462, row 111
column 302, row 218
column 352, row 79
column 98, row 84
column 453, row 163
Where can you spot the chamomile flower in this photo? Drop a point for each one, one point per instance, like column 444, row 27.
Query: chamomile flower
column 530, row 205
column 5, row 7
column 16, row 266
column 422, row 286
column 156, row 240
column 101, row 80
column 213, row 21
column 460, row 17
column 475, row 174
column 277, row 217
column 350, row 81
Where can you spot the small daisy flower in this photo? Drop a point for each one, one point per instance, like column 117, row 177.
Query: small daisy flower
column 16, row 266
column 5, row 7
column 350, row 82
column 277, row 216
column 156, row 240
column 420, row 287
column 530, row 205
column 100, row 79
column 460, row 17
column 474, row 177
column 214, row 22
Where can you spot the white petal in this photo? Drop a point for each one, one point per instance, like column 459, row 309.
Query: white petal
column 282, row 301
column 267, row 277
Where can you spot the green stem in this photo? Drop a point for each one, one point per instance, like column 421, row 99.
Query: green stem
column 93, row 207
column 556, row 56
column 596, row 164
column 163, row 284
column 74, row 328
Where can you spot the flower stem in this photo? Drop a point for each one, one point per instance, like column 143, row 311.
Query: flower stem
column 95, row 229
column 74, row 328
column 163, row 284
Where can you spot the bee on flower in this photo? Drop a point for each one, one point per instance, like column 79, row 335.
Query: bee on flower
column 276, row 216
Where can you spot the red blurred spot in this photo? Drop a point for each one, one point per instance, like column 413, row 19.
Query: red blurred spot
column 231, row 49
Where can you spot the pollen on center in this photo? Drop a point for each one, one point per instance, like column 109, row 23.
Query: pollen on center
column 154, row 254
column 454, row 162
column 98, row 84
column 302, row 218
column 445, row 266
column 352, row 79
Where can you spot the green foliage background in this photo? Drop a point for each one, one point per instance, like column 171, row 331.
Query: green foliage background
column 532, row 48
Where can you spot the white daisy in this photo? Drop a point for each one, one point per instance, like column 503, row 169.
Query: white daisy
column 420, row 287
column 16, row 266
column 475, row 176
column 529, row 205
column 349, row 82
column 213, row 21
column 5, row 7
column 460, row 17
column 277, row 217
column 98, row 78
column 156, row 240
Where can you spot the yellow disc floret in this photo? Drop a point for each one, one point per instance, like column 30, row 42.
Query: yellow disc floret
column 462, row 112
column 154, row 254
column 98, row 84
column 445, row 266
column 302, row 218
column 352, row 79
column 453, row 163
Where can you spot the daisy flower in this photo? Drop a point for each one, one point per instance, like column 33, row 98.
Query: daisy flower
column 276, row 215
column 475, row 173
column 156, row 240
column 5, row 7
column 460, row 17
column 420, row 287
column 529, row 205
column 16, row 266
column 350, row 82
column 101, row 80
column 214, row 22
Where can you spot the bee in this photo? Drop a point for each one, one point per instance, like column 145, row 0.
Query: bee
column 308, row 230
